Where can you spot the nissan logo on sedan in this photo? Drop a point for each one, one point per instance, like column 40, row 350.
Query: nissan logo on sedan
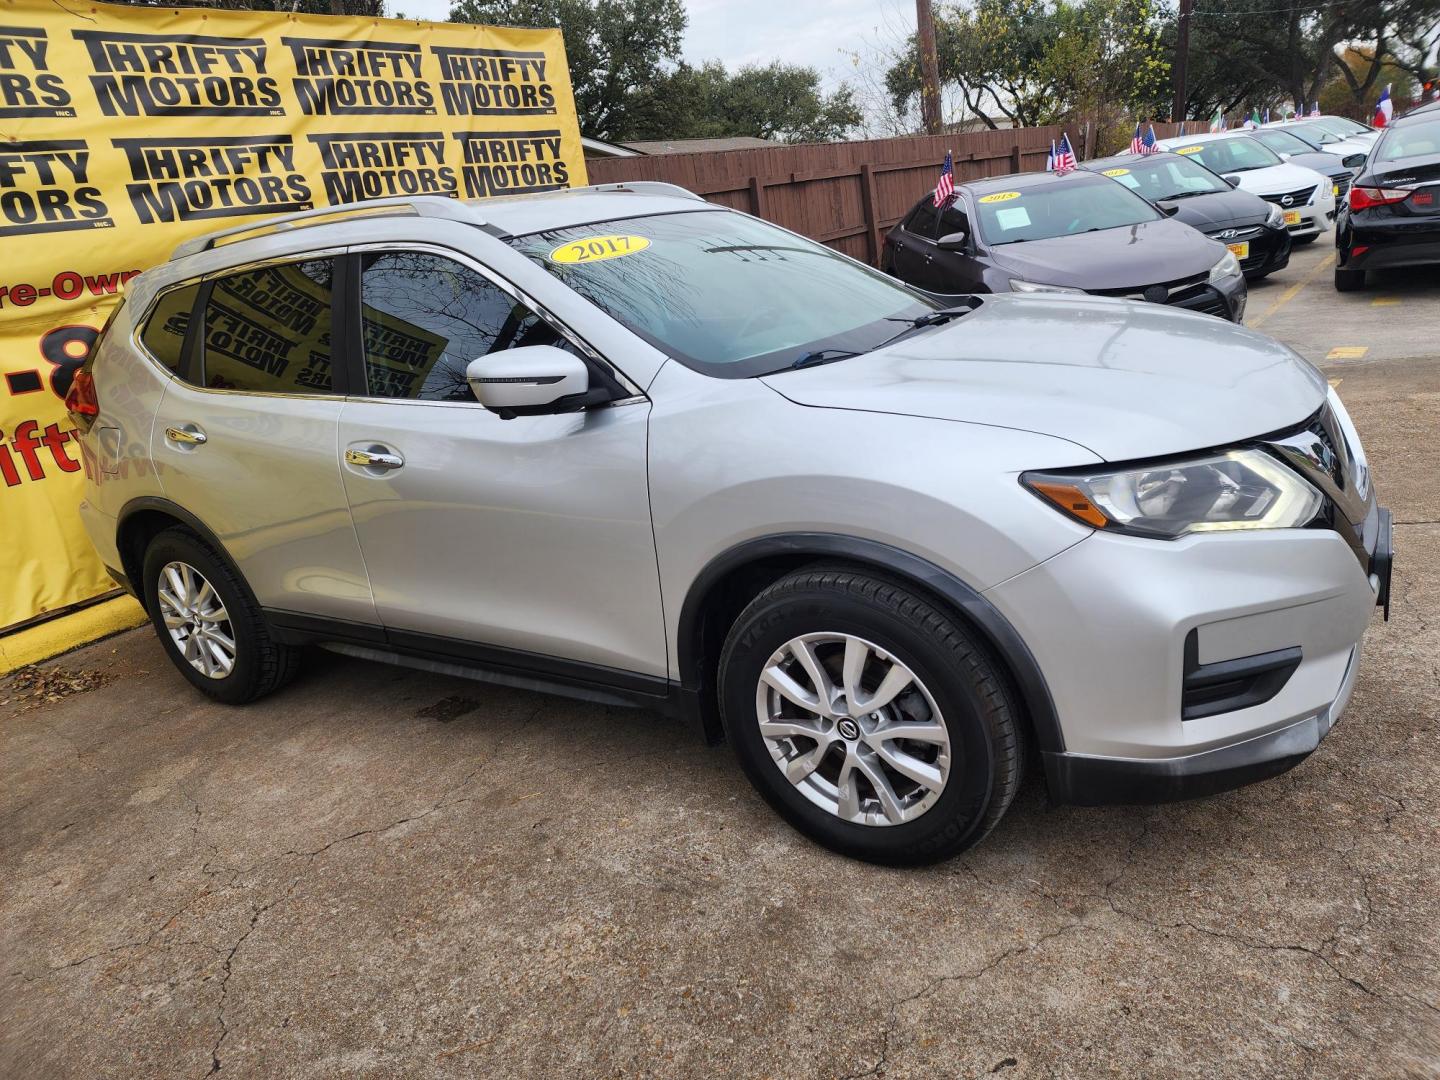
column 1286, row 200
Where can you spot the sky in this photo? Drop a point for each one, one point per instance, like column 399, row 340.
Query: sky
column 815, row 33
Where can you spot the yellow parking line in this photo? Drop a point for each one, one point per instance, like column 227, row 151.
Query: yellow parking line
column 1335, row 383
column 1347, row 352
column 1385, row 301
column 1292, row 292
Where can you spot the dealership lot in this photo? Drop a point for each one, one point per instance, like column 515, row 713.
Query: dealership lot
column 386, row 873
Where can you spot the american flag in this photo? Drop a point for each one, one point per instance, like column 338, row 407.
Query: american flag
column 1143, row 144
column 1316, row 110
column 1065, row 156
column 945, row 186
column 1137, row 143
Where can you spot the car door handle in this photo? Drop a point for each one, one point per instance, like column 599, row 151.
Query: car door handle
column 373, row 459
column 190, row 435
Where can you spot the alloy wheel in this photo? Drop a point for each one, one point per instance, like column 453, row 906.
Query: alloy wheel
column 196, row 620
column 853, row 729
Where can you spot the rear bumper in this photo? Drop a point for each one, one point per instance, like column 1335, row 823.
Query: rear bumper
column 1389, row 248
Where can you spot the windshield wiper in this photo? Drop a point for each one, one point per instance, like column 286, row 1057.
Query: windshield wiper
column 822, row 356
column 930, row 318
column 1182, row 195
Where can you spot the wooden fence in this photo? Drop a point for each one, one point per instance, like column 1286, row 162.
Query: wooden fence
column 846, row 195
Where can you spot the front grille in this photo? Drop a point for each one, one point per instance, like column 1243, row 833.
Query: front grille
column 1320, row 451
column 1257, row 257
column 1298, row 197
column 1137, row 292
column 1202, row 299
column 1342, row 184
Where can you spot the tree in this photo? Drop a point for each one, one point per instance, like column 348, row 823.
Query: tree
column 777, row 101
column 615, row 49
column 1041, row 62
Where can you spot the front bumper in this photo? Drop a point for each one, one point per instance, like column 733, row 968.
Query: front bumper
column 1109, row 621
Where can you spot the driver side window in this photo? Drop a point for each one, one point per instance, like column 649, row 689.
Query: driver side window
column 425, row 317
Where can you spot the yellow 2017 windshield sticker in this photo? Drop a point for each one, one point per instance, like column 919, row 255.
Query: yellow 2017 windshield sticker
column 1116, row 172
column 598, row 249
column 1189, row 150
column 1000, row 196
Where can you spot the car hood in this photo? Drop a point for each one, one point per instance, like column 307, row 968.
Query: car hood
column 1321, row 161
column 1220, row 210
column 1132, row 256
column 1278, row 179
column 1123, row 379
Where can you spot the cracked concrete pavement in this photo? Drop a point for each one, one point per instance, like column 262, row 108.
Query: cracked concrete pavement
column 383, row 873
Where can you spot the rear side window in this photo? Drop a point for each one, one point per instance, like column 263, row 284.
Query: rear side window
column 268, row 330
column 922, row 220
column 164, row 334
column 426, row 317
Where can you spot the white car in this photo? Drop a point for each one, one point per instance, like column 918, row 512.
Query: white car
column 1332, row 134
column 1305, row 197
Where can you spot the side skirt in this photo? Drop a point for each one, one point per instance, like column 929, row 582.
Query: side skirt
column 488, row 664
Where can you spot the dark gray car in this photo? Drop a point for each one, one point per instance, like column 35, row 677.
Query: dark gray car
column 1073, row 233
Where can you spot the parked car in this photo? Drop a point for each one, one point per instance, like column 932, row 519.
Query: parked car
column 1288, row 146
column 1071, row 233
column 1305, row 197
column 1343, row 138
column 1392, row 218
column 624, row 444
column 1253, row 229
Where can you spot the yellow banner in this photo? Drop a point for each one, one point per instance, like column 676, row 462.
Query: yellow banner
column 125, row 130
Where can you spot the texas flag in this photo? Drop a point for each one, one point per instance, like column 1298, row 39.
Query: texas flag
column 1384, row 109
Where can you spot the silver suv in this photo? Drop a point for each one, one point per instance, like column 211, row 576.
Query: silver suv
column 623, row 444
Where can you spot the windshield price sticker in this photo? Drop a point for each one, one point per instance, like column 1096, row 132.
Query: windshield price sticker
column 1000, row 196
column 1189, row 150
column 598, row 249
column 1116, row 172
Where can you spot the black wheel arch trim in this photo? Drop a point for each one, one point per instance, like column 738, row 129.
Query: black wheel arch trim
column 996, row 630
column 160, row 504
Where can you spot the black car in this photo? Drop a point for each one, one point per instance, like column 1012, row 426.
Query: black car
column 1072, row 232
column 1392, row 217
column 1245, row 223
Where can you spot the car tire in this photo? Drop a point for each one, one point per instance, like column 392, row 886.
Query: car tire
column 834, row 797
column 202, row 610
column 1349, row 280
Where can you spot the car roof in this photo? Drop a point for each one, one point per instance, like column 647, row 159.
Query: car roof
column 1416, row 117
column 1126, row 159
column 1023, row 181
column 543, row 211
column 1209, row 136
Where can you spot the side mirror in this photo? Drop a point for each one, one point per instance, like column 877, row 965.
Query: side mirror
column 1354, row 161
column 954, row 241
column 530, row 380
column 1233, row 181
column 1170, row 211
column 1284, row 156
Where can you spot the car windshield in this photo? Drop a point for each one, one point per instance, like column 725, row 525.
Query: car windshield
column 1282, row 142
column 1314, row 129
column 1311, row 139
column 1166, row 176
column 1236, row 155
column 727, row 294
column 1413, row 140
column 1080, row 204
column 1342, row 126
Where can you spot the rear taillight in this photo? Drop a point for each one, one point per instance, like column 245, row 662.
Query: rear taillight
column 1362, row 198
column 81, row 400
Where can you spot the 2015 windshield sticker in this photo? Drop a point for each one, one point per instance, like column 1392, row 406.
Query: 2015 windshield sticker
column 1189, row 150
column 598, row 249
column 1116, row 172
column 1000, row 196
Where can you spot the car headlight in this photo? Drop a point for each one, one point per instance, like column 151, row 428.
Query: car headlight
column 1228, row 266
column 1275, row 219
column 1016, row 285
column 1237, row 489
